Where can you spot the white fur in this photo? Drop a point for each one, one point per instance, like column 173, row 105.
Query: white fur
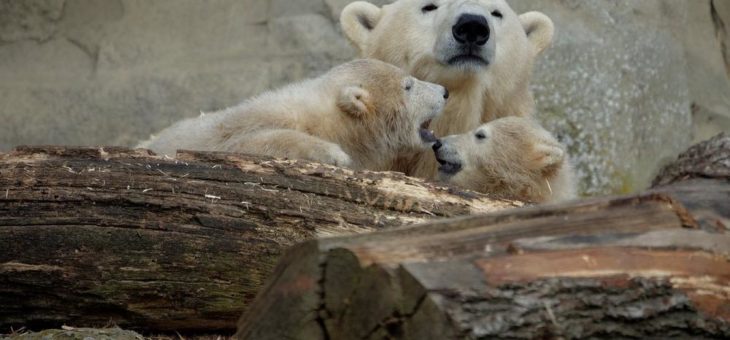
column 403, row 35
column 516, row 159
column 358, row 115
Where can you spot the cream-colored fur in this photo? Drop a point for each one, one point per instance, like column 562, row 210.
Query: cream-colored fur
column 511, row 157
column 421, row 42
column 360, row 115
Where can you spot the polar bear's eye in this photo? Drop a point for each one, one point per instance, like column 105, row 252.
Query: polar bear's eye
column 480, row 135
column 429, row 8
column 497, row 14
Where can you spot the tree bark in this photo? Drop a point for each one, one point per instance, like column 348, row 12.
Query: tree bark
column 653, row 265
column 93, row 235
column 710, row 159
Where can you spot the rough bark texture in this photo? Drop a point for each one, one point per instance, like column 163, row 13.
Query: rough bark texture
column 710, row 159
column 70, row 333
column 654, row 265
column 93, row 235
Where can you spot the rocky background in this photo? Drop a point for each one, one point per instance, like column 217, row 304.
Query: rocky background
column 627, row 86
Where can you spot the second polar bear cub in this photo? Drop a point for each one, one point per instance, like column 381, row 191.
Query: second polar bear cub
column 511, row 157
column 360, row 114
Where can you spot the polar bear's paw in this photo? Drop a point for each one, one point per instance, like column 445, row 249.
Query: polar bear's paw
column 328, row 153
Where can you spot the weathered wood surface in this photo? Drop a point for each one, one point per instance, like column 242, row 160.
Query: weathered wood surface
column 93, row 235
column 71, row 333
column 690, row 180
column 710, row 159
column 654, row 265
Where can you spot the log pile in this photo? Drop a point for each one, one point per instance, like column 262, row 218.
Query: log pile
column 90, row 236
column 653, row 265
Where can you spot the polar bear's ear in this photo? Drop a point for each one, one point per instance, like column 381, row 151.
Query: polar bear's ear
column 547, row 157
column 539, row 29
column 355, row 101
column 358, row 19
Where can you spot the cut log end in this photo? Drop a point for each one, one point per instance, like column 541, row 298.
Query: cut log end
column 654, row 265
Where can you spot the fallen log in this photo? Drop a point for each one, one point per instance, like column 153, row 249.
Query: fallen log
column 90, row 236
column 653, row 265
column 71, row 333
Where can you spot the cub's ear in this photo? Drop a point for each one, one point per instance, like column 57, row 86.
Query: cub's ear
column 355, row 101
column 358, row 20
column 547, row 157
column 539, row 29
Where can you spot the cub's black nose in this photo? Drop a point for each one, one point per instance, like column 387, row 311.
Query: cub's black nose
column 436, row 146
column 471, row 29
column 446, row 93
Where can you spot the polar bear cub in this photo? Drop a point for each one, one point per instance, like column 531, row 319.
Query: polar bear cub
column 360, row 114
column 510, row 157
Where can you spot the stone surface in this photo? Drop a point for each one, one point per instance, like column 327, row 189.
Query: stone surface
column 638, row 82
column 708, row 66
column 35, row 20
column 621, row 94
column 114, row 71
column 627, row 84
column 336, row 6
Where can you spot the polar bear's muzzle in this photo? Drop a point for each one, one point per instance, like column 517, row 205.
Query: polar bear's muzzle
column 448, row 158
column 471, row 42
column 471, row 30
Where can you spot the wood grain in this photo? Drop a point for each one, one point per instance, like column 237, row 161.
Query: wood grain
column 653, row 265
column 93, row 235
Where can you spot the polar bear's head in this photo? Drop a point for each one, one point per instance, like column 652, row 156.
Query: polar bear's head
column 445, row 41
column 512, row 157
column 385, row 102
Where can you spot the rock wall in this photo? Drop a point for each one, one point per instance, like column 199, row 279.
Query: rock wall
column 627, row 85
column 114, row 71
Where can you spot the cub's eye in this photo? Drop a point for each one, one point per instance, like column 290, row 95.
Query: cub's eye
column 429, row 8
column 497, row 14
column 480, row 135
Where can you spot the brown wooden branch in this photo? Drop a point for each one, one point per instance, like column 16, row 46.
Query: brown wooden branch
column 654, row 265
column 93, row 235
column 710, row 159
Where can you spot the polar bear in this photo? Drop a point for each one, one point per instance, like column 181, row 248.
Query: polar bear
column 480, row 50
column 360, row 114
column 510, row 157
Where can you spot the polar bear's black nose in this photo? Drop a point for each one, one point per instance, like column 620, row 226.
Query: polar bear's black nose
column 436, row 146
column 471, row 29
column 446, row 93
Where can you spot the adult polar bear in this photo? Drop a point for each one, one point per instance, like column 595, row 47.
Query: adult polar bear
column 480, row 50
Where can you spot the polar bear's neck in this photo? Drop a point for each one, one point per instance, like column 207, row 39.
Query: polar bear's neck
column 518, row 102
column 366, row 144
column 463, row 109
column 470, row 105
column 515, row 182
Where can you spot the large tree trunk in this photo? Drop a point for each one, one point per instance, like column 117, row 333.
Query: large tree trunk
column 93, row 235
column 655, row 265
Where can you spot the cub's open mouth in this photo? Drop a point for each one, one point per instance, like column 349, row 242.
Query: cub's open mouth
column 427, row 135
column 449, row 168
